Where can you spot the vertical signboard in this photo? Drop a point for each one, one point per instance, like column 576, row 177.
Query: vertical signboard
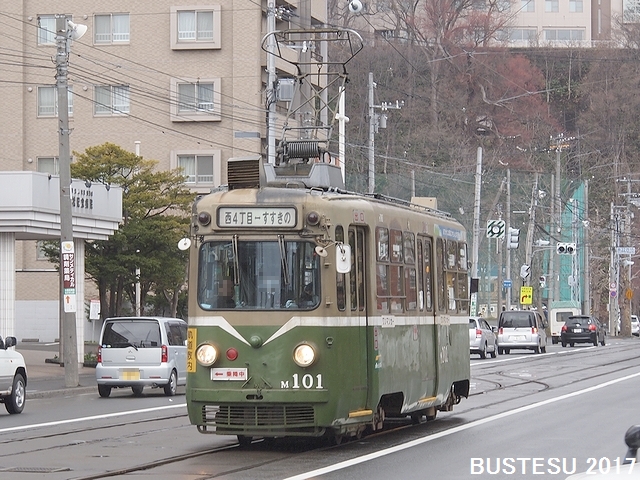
column 68, row 276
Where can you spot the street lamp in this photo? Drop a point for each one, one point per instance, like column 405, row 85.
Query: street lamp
column 66, row 31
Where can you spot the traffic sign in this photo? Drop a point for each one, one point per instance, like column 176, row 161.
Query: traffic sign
column 526, row 295
column 626, row 250
column 506, row 283
column 495, row 228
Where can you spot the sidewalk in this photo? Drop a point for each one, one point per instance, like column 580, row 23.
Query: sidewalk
column 47, row 379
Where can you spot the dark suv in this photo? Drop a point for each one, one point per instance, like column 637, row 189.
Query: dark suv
column 583, row 329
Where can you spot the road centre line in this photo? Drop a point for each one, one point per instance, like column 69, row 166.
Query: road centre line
column 461, row 428
column 94, row 417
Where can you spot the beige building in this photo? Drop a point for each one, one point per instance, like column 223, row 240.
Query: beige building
column 180, row 82
column 538, row 23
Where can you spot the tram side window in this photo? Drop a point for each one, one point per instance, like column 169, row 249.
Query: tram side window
column 396, row 272
column 428, row 274
column 451, row 267
column 340, row 277
column 360, row 271
column 442, row 283
column 382, row 269
column 410, row 285
column 425, row 294
column 355, row 273
column 463, row 290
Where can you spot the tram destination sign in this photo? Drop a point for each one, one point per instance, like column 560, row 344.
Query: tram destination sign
column 256, row 217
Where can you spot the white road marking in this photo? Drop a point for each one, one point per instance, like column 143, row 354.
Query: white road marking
column 87, row 419
column 461, row 428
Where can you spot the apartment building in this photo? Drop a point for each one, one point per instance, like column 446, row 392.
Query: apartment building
column 533, row 23
column 180, row 82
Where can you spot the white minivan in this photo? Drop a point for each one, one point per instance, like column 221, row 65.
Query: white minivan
column 140, row 352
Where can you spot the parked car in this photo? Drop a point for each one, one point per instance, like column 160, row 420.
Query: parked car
column 482, row 338
column 583, row 329
column 635, row 326
column 13, row 376
column 136, row 352
column 522, row 329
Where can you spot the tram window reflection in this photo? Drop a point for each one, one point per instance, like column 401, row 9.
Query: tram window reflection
column 264, row 275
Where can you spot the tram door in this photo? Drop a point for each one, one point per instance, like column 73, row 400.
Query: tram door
column 426, row 304
column 357, row 303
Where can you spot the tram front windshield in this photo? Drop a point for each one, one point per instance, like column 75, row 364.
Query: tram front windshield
column 258, row 275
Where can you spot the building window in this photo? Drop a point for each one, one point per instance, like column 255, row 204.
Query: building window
column 46, row 30
column 111, row 28
column 527, row 6
column 195, row 97
column 111, row 99
column 575, row 6
column 197, row 100
column 523, row 35
column 48, row 101
column 197, row 168
column 551, row 6
column 195, row 27
column 630, row 11
column 201, row 168
column 565, row 35
column 40, row 255
column 48, row 165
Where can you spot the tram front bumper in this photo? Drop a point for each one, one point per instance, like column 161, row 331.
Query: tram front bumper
column 267, row 413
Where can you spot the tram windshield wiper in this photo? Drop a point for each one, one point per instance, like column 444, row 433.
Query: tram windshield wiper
column 283, row 259
column 236, row 266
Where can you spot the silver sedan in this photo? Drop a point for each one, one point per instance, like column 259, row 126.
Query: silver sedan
column 482, row 337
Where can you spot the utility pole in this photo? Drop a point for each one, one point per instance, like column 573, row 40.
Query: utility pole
column 271, row 87
column 586, row 305
column 65, row 32
column 476, row 229
column 532, row 221
column 508, row 250
column 376, row 121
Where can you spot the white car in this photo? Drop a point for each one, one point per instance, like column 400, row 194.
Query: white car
column 482, row 338
column 635, row 326
column 13, row 376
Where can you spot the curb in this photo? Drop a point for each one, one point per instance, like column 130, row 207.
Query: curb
column 63, row 392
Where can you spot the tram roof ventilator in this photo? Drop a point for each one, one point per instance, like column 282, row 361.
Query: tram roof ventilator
column 253, row 172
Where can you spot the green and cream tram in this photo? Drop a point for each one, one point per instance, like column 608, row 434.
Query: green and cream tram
column 315, row 311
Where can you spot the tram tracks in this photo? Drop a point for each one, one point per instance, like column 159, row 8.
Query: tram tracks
column 508, row 380
column 230, row 460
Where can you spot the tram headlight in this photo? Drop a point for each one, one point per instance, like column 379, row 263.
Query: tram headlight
column 313, row 218
column 206, row 354
column 204, row 218
column 304, row 355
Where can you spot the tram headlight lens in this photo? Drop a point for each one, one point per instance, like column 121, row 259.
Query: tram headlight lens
column 204, row 218
column 313, row 218
column 206, row 355
column 304, row 355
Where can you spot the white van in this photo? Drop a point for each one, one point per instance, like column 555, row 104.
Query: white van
column 140, row 352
